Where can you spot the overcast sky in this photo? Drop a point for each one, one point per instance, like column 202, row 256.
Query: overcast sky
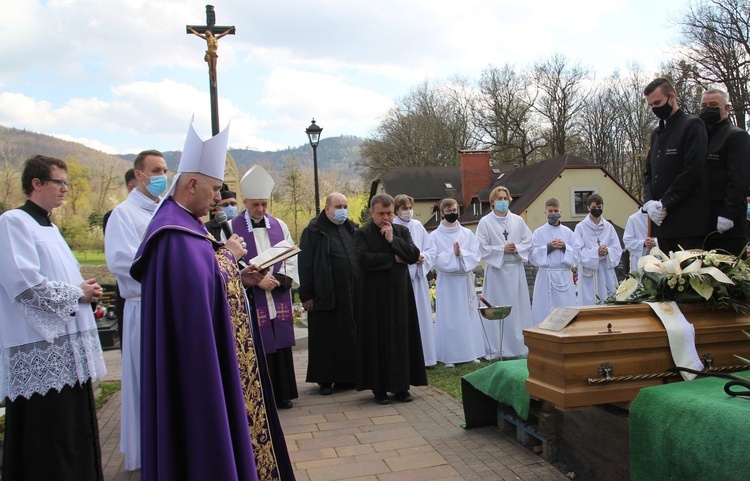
column 123, row 76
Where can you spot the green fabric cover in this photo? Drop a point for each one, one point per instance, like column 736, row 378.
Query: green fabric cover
column 690, row 430
column 504, row 381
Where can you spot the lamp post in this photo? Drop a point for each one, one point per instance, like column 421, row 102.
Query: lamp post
column 313, row 133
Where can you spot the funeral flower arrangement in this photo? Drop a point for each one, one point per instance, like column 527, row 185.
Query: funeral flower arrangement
column 721, row 280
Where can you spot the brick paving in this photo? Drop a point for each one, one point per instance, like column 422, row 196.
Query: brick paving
column 346, row 436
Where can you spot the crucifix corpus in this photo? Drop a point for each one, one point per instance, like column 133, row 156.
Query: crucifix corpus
column 211, row 33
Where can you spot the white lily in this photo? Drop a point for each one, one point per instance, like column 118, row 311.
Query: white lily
column 626, row 289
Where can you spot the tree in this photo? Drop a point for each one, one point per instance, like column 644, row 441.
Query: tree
column 9, row 174
column 716, row 39
column 503, row 116
column 635, row 123
column 292, row 191
column 601, row 139
column 106, row 181
column 562, row 94
column 78, row 179
column 687, row 84
column 428, row 127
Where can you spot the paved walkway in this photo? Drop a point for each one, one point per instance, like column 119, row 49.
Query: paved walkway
column 347, row 436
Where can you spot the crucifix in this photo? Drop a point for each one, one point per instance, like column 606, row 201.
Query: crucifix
column 211, row 33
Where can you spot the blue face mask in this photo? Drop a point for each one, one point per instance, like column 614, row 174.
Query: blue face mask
column 748, row 210
column 156, row 185
column 230, row 211
column 501, row 205
column 340, row 215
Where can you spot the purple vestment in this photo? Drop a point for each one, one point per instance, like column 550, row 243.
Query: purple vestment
column 194, row 421
column 278, row 332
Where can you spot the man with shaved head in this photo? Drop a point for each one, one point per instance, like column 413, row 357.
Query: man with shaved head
column 327, row 246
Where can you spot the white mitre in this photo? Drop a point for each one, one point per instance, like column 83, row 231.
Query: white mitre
column 207, row 157
column 257, row 183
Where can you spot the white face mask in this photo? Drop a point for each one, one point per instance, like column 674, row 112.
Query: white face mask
column 406, row 215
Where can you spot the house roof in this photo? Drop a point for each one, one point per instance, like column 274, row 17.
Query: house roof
column 421, row 183
column 528, row 182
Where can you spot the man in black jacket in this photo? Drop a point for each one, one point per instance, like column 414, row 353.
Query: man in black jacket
column 329, row 276
column 729, row 168
column 675, row 182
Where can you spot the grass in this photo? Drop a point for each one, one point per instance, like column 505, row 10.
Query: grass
column 94, row 258
column 108, row 388
column 449, row 379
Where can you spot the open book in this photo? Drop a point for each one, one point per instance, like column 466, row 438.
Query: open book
column 277, row 253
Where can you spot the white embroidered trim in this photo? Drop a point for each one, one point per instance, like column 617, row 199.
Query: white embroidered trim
column 41, row 366
column 49, row 306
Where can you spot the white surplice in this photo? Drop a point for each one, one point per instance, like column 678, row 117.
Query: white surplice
column 421, row 286
column 634, row 238
column 553, row 286
column 596, row 274
column 458, row 329
column 505, row 282
column 123, row 236
column 48, row 338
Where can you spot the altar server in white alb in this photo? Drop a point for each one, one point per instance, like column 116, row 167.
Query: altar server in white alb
column 49, row 345
column 504, row 243
column 458, row 330
column 404, row 206
column 600, row 253
column 636, row 238
column 554, row 250
column 125, row 230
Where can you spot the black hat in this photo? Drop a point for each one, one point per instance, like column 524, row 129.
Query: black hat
column 228, row 194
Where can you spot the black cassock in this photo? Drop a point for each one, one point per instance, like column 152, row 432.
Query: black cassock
column 390, row 356
column 329, row 276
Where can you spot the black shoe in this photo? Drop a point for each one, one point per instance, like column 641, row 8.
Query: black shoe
column 404, row 397
column 325, row 390
column 382, row 398
column 284, row 404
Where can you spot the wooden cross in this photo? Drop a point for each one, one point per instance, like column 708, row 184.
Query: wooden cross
column 211, row 33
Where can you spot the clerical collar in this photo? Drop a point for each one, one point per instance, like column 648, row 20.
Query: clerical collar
column 37, row 213
column 260, row 224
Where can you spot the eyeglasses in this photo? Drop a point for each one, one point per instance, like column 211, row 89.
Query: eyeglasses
column 60, row 183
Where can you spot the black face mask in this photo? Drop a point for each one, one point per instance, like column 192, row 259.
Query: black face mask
column 663, row 111
column 710, row 115
column 597, row 212
column 450, row 218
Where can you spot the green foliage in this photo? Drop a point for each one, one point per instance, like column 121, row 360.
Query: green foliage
column 91, row 258
column 721, row 280
column 108, row 388
column 449, row 379
column 95, row 220
column 80, row 236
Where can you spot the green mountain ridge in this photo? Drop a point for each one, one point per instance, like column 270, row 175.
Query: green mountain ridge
column 335, row 154
column 17, row 145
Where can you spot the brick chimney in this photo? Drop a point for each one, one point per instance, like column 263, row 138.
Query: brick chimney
column 475, row 173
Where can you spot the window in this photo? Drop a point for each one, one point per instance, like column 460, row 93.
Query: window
column 578, row 197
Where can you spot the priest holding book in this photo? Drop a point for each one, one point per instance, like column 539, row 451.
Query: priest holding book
column 271, row 298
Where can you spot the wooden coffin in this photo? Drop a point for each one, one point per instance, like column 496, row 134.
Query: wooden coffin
column 564, row 366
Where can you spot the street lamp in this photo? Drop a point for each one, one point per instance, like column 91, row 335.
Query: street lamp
column 313, row 133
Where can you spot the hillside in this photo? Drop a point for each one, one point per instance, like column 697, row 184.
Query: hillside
column 336, row 154
column 18, row 145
